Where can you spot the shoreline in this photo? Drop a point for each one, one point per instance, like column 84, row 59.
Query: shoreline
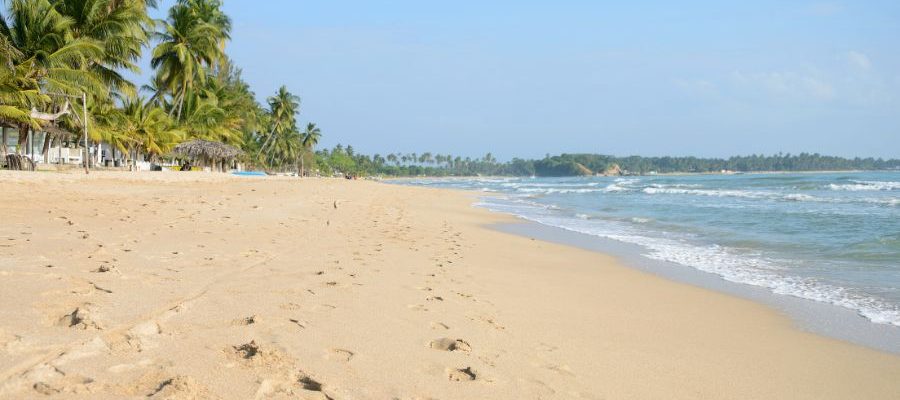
column 819, row 318
column 207, row 286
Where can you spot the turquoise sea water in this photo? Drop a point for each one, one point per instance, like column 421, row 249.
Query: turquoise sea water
column 829, row 237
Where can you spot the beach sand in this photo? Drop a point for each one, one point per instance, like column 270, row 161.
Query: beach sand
column 193, row 285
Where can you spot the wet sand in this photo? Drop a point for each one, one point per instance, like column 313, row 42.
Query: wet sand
column 169, row 285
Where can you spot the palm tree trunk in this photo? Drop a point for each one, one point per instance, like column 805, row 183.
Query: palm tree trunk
column 45, row 150
column 269, row 137
column 3, row 139
column 22, row 140
column 302, row 171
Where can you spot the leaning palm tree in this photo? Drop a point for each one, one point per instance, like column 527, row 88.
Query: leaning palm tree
column 283, row 150
column 283, row 109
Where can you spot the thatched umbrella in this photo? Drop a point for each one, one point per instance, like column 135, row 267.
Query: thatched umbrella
column 207, row 152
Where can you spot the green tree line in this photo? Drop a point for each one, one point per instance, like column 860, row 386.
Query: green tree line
column 56, row 51
column 346, row 160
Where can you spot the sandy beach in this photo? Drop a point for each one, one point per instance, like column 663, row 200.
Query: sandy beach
column 195, row 285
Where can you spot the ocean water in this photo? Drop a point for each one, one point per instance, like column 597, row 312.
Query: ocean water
column 826, row 237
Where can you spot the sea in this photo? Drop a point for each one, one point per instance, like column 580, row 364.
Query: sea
column 825, row 237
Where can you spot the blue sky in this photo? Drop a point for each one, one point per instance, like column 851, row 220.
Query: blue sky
column 525, row 78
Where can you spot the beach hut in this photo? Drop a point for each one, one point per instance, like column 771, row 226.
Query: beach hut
column 216, row 155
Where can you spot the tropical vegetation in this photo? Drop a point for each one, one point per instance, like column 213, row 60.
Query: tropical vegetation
column 346, row 160
column 57, row 54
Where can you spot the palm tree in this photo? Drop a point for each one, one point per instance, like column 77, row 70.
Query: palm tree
column 17, row 93
column 311, row 137
column 210, row 12
column 150, row 128
column 121, row 27
column 284, row 148
column 188, row 45
column 47, row 57
column 283, row 109
column 204, row 118
column 233, row 95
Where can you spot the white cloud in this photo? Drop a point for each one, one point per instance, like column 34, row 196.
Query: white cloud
column 786, row 84
column 859, row 60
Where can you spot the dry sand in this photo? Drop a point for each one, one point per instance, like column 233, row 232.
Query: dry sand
column 184, row 286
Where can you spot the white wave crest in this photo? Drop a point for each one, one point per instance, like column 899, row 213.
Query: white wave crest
column 739, row 268
column 857, row 186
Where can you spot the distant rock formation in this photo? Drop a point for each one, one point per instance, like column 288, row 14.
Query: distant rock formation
column 582, row 170
column 613, row 170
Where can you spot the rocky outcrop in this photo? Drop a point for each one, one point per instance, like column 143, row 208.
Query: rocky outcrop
column 613, row 170
column 582, row 170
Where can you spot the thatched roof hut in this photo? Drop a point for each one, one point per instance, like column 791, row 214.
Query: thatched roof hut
column 56, row 131
column 206, row 152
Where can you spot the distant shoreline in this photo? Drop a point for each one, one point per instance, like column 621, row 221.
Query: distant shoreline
column 853, row 171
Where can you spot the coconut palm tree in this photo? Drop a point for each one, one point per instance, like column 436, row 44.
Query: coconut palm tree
column 284, row 149
column 188, row 45
column 149, row 128
column 121, row 27
column 283, row 109
column 204, row 118
column 210, row 12
column 50, row 58
column 18, row 92
column 311, row 136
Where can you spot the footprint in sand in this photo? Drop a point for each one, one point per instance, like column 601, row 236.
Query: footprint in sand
column 179, row 387
column 341, row 355
column 488, row 320
column 81, row 318
column 310, row 384
column 247, row 350
column 246, row 320
column 106, row 268
column 417, row 307
column 461, row 375
column 448, row 344
column 439, row 326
